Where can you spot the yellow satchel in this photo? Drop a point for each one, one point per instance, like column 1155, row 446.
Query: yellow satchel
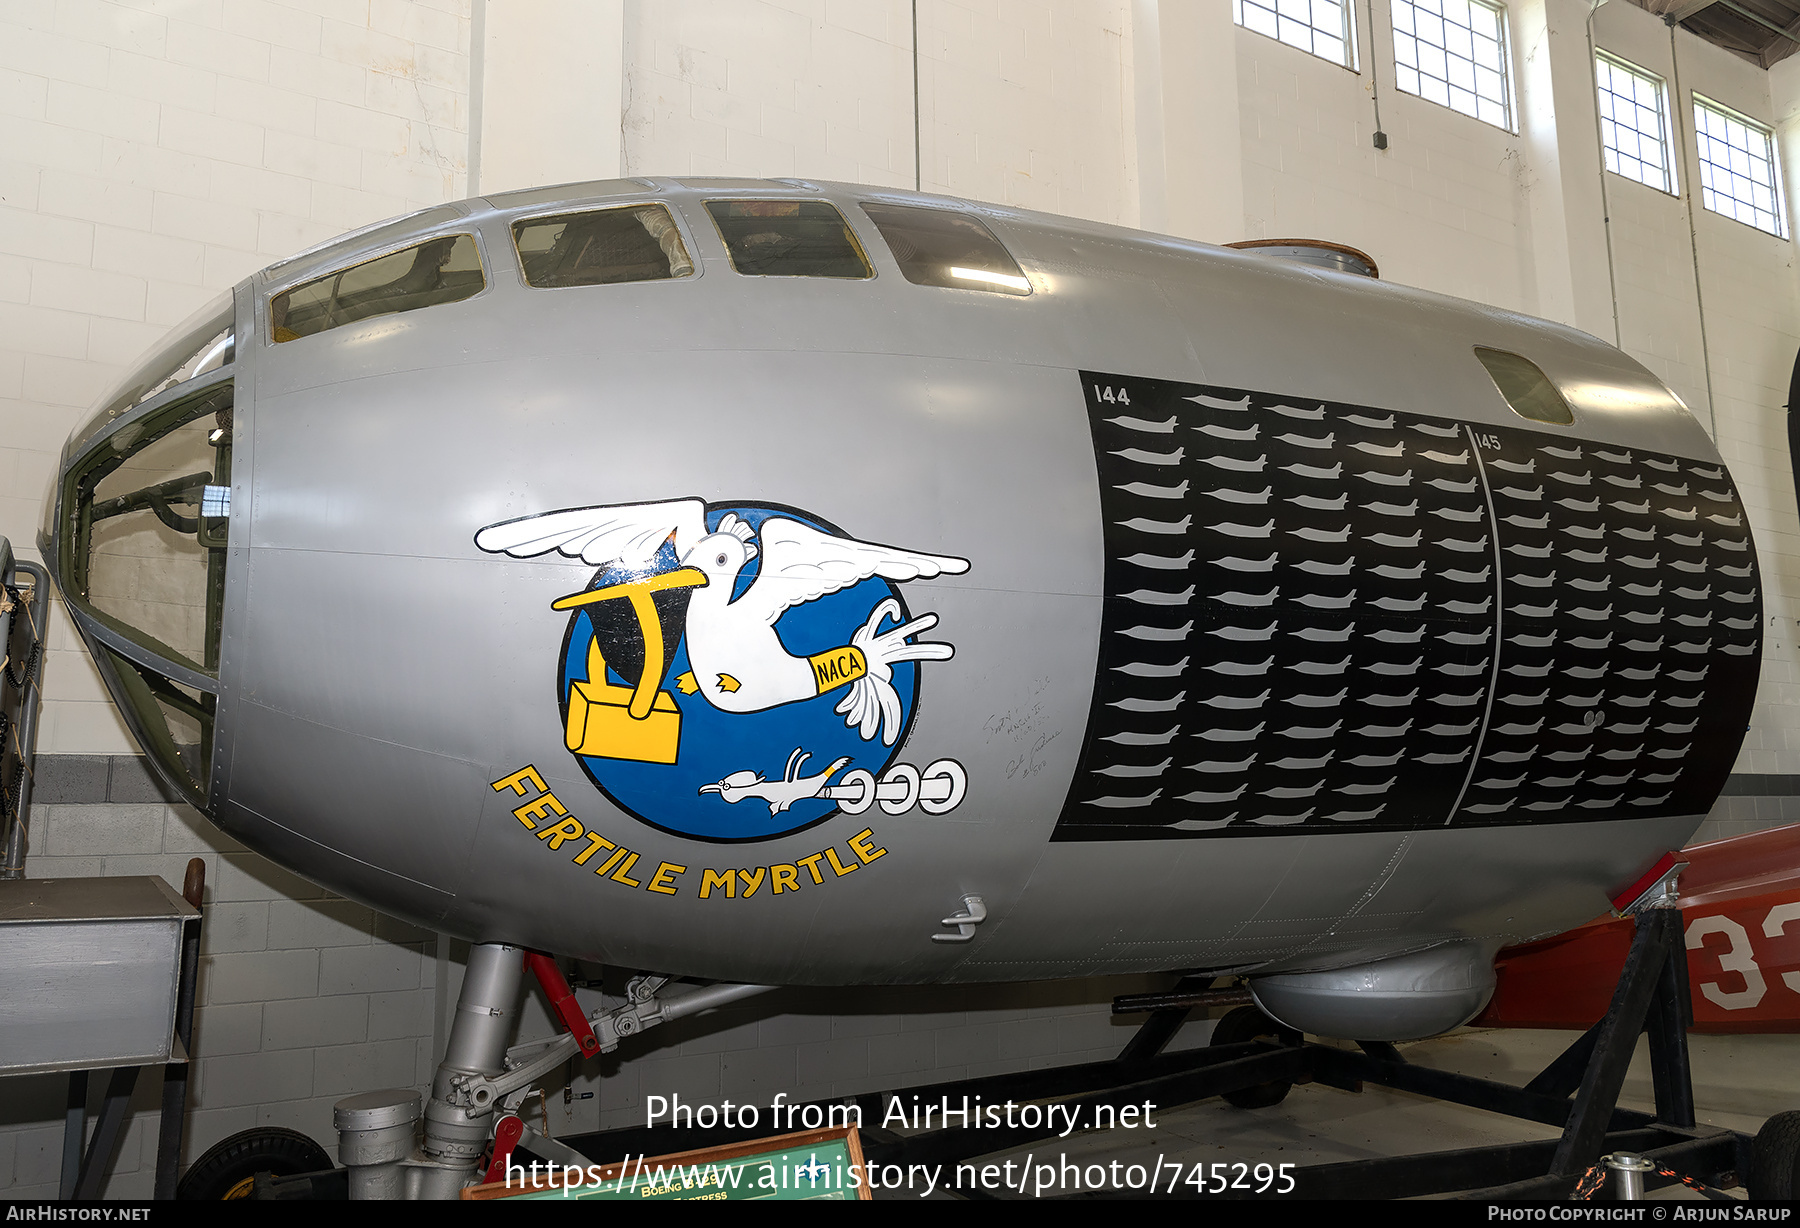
column 601, row 723
column 639, row 723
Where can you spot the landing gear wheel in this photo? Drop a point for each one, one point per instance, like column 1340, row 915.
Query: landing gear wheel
column 1775, row 1159
column 1248, row 1023
column 229, row 1170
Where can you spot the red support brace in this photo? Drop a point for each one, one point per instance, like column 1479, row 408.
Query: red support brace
column 562, row 1001
column 1638, row 890
column 507, row 1132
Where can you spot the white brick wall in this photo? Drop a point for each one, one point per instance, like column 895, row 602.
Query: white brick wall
column 1443, row 207
column 761, row 88
column 152, row 155
column 1022, row 103
column 302, row 997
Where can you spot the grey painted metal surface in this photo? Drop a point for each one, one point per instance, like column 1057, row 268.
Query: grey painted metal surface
column 376, row 1132
column 1404, row 998
column 397, row 698
column 88, row 972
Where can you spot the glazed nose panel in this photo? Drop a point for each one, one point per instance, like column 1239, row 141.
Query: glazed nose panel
column 138, row 537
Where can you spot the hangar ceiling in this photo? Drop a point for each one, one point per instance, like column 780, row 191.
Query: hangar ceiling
column 1761, row 31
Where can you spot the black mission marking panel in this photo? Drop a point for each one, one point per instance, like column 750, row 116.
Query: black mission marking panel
column 1335, row 618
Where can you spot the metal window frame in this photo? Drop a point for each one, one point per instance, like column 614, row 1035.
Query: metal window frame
column 1031, row 287
column 1352, row 64
column 682, row 228
column 460, row 230
column 1670, row 160
column 130, row 642
column 1767, row 132
column 1509, row 87
column 858, row 240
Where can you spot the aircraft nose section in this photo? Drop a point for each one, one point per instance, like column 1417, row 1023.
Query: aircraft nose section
column 136, row 536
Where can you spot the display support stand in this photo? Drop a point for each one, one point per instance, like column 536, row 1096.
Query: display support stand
column 1652, row 995
column 84, row 1174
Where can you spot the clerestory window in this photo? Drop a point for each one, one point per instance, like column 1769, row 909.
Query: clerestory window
column 441, row 270
column 1634, row 123
column 1738, row 175
column 788, row 238
column 1318, row 27
column 601, row 247
column 1453, row 53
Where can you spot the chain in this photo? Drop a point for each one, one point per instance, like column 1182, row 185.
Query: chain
column 9, row 599
column 1594, row 1178
column 1701, row 1188
column 9, row 798
column 26, row 671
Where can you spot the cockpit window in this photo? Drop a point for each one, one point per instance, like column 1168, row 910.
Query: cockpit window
column 601, row 247
column 437, row 271
column 935, row 247
column 1527, row 389
column 199, row 346
column 146, row 516
column 788, row 238
column 151, row 512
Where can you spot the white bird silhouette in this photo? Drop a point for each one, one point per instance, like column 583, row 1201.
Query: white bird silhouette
column 780, row 794
column 738, row 661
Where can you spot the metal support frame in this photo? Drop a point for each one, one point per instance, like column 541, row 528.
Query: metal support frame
column 175, row 1074
column 457, row 1131
column 1165, row 1019
column 84, row 1173
column 1617, row 1038
column 1764, row 22
column 74, row 1133
column 108, row 1130
column 21, row 738
column 1164, row 1078
column 527, row 1063
column 1652, row 996
column 562, row 1001
column 479, row 1076
column 1684, row 9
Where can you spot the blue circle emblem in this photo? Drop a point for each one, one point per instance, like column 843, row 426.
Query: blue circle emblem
column 694, row 769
